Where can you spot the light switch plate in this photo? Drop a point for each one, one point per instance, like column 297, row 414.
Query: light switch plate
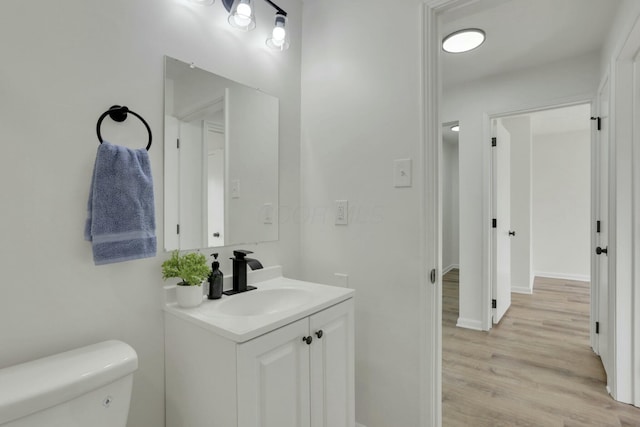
column 268, row 213
column 342, row 212
column 402, row 173
column 235, row 188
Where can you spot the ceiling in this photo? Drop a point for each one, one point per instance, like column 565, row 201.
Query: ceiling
column 525, row 33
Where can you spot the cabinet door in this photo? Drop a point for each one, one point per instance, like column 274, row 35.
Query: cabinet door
column 273, row 378
column 332, row 367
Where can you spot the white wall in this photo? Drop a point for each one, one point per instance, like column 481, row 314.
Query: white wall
column 450, row 206
column 521, row 255
column 548, row 85
column 64, row 63
column 562, row 205
column 360, row 111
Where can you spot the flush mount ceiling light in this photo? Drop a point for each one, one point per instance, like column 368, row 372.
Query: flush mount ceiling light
column 463, row 40
column 455, row 128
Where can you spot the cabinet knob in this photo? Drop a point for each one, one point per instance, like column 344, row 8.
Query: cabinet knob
column 319, row 334
column 308, row 339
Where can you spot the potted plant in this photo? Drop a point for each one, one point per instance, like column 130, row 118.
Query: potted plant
column 192, row 268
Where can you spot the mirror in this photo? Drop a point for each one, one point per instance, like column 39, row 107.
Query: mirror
column 221, row 160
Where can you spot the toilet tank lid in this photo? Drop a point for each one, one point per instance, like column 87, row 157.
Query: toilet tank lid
column 43, row 383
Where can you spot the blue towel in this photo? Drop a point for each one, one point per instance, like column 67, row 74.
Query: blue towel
column 121, row 221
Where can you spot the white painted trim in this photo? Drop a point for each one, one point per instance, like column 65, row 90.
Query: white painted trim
column 595, row 197
column 430, row 152
column 469, row 324
column 623, row 247
column 360, row 425
column 451, row 267
column 563, row 276
column 515, row 289
column 636, row 238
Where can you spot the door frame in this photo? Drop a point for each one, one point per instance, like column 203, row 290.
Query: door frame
column 595, row 209
column 487, row 261
column 431, row 240
column 624, row 261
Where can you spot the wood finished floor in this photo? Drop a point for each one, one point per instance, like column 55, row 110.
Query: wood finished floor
column 536, row 368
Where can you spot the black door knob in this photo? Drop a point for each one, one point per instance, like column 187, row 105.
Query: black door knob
column 319, row 334
column 512, row 233
column 599, row 250
column 308, row 340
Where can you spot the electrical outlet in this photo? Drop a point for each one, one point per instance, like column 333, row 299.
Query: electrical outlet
column 342, row 280
column 342, row 212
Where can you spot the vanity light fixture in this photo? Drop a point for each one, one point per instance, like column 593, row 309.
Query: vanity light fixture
column 455, row 128
column 279, row 39
column 463, row 40
column 242, row 17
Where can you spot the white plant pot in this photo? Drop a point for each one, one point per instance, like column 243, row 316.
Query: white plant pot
column 189, row 296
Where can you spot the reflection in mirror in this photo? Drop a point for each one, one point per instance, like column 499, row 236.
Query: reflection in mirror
column 221, row 160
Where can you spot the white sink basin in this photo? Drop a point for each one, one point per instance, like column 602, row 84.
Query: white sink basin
column 277, row 302
column 261, row 302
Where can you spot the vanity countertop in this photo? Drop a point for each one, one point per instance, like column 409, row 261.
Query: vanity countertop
column 275, row 303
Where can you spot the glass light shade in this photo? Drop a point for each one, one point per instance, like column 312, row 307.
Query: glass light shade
column 455, row 128
column 242, row 16
column 203, row 2
column 463, row 40
column 279, row 39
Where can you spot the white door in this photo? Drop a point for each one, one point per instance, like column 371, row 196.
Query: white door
column 602, row 238
column 501, row 199
column 273, row 378
column 191, row 186
column 332, row 367
column 215, row 198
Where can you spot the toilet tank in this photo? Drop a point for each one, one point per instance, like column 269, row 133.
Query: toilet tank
column 88, row 386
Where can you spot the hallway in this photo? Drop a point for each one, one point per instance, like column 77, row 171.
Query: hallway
column 534, row 369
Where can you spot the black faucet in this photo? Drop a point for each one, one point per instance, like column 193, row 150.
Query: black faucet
column 240, row 263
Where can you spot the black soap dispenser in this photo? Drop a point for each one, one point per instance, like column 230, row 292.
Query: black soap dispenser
column 216, row 279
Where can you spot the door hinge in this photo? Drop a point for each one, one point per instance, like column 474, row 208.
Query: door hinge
column 494, row 142
column 494, row 303
column 494, row 223
column 177, row 228
column 432, row 276
column 598, row 122
column 597, row 327
column 178, row 143
column 597, row 226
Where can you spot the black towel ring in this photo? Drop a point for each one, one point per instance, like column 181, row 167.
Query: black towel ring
column 119, row 114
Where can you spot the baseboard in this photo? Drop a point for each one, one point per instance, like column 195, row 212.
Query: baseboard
column 469, row 324
column 451, row 267
column 578, row 277
column 359, row 425
column 521, row 290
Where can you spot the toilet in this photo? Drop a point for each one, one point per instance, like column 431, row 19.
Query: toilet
column 88, row 386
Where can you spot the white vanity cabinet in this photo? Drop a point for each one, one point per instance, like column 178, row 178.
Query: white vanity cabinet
column 298, row 375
